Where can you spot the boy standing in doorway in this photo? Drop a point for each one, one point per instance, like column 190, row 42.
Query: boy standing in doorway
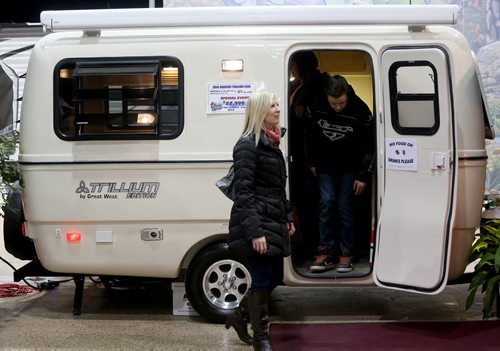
column 340, row 147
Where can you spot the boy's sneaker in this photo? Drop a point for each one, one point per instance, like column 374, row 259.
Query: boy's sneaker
column 322, row 263
column 345, row 264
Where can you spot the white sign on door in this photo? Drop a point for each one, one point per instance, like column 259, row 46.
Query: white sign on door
column 401, row 154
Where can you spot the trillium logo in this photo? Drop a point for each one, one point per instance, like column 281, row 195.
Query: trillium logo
column 82, row 188
column 111, row 190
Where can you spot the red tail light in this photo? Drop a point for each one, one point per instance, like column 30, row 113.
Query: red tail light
column 73, row 237
column 23, row 229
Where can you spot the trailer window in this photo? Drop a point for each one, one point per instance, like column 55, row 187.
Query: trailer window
column 414, row 98
column 118, row 99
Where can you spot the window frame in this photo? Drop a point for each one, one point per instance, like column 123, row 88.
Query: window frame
column 116, row 62
column 396, row 97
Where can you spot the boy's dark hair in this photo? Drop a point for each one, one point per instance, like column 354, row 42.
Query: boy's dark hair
column 307, row 62
column 336, row 86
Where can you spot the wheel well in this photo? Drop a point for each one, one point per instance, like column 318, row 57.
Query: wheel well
column 199, row 247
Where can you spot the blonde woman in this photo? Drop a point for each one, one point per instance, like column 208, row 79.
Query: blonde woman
column 261, row 218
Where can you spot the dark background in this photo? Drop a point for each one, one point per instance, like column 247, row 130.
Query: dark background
column 22, row 11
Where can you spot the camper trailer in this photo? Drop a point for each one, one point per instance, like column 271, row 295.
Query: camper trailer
column 130, row 116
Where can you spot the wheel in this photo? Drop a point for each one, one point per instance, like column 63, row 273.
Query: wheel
column 216, row 281
column 16, row 243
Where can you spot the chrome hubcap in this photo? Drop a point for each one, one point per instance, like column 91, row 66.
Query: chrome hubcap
column 225, row 283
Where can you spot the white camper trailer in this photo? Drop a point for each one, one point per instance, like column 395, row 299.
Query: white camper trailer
column 130, row 117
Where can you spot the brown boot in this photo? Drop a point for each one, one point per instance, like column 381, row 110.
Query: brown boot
column 257, row 304
column 239, row 319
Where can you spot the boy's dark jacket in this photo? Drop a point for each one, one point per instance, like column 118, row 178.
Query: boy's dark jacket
column 341, row 142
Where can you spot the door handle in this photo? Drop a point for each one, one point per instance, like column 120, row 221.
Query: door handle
column 439, row 160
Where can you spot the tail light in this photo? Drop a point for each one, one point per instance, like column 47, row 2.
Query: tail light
column 73, row 237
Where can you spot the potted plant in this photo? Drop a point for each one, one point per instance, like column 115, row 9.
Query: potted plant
column 9, row 170
column 486, row 277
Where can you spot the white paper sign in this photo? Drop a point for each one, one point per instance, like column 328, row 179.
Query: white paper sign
column 229, row 98
column 401, row 154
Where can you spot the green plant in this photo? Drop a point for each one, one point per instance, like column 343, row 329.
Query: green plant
column 9, row 170
column 486, row 252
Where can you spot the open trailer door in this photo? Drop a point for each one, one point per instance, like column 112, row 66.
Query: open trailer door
column 419, row 186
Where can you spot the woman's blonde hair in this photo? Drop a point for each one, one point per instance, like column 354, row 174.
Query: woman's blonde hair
column 258, row 105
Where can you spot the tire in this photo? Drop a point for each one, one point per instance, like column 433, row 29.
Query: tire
column 216, row 281
column 15, row 242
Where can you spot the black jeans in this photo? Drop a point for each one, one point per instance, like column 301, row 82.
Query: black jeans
column 266, row 272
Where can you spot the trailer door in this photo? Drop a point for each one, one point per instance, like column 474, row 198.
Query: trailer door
column 419, row 163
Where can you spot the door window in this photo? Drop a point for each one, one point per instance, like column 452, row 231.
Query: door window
column 414, row 97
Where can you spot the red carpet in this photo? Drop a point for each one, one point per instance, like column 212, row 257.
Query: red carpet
column 387, row 336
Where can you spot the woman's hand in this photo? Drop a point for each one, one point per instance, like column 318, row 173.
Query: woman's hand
column 291, row 228
column 260, row 244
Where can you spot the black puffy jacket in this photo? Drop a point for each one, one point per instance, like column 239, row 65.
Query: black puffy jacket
column 260, row 206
